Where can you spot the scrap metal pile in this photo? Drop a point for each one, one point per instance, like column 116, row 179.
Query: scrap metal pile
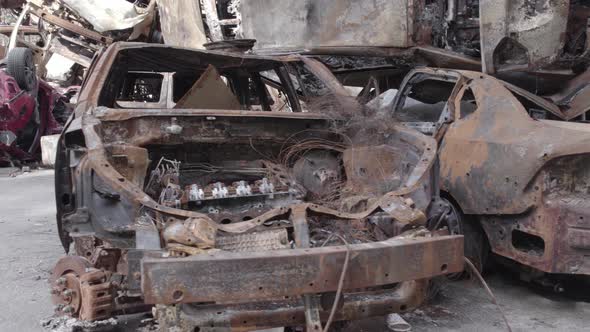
column 308, row 167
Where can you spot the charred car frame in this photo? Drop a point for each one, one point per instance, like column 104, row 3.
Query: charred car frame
column 237, row 192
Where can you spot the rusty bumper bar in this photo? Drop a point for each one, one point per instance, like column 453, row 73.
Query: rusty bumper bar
column 242, row 277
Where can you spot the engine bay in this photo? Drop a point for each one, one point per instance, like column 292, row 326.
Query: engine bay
column 232, row 187
column 244, row 186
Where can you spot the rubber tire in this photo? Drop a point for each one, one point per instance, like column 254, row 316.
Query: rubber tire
column 20, row 64
column 477, row 247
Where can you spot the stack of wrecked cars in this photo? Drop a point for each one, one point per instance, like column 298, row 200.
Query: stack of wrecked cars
column 30, row 108
column 512, row 153
column 241, row 192
column 245, row 192
column 539, row 45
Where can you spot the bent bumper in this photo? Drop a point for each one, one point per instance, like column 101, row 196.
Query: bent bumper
column 255, row 276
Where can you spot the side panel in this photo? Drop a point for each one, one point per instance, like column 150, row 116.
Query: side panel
column 489, row 158
column 322, row 23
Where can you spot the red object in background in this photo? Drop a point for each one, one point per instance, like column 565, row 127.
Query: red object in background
column 26, row 116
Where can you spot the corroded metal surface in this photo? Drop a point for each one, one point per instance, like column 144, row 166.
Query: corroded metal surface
column 299, row 271
column 96, row 295
column 65, row 285
column 261, row 241
column 217, row 175
column 523, row 179
column 289, row 312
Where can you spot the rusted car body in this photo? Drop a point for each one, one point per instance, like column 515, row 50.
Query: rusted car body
column 507, row 169
column 235, row 192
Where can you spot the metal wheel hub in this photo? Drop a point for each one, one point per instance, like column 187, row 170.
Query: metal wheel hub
column 65, row 294
column 66, row 285
column 81, row 291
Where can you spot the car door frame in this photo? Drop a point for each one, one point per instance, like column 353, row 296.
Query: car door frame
column 448, row 115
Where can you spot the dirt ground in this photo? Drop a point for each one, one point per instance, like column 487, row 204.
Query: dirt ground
column 29, row 247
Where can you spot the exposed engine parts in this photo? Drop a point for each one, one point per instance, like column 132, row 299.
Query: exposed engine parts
column 263, row 188
column 168, row 202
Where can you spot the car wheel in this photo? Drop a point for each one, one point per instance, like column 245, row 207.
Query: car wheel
column 476, row 246
column 21, row 66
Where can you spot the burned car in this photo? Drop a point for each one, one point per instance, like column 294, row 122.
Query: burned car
column 212, row 186
column 31, row 108
column 513, row 172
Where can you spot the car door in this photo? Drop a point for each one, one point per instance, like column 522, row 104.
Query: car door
column 492, row 150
